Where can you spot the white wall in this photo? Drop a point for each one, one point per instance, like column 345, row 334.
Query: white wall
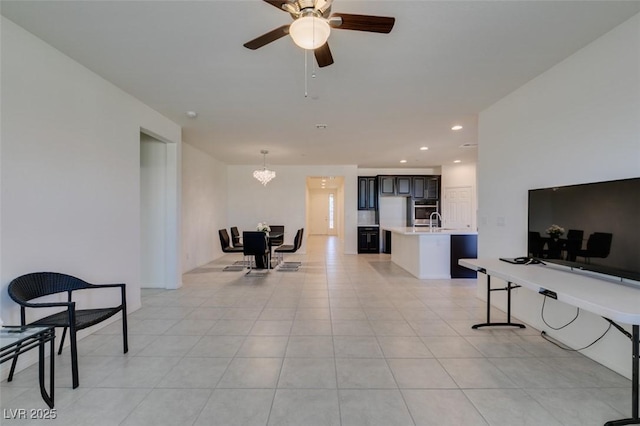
column 283, row 200
column 204, row 207
column 578, row 122
column 70, row 170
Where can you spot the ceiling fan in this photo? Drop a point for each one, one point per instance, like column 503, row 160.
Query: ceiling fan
column 312, row 25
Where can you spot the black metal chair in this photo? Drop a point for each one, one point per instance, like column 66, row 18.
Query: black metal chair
column 256, row 245
column 573, row 243
column 277, row 241
column 35, row 285
column 235, row 236
column 536, row 244
column 288, row 248
column 225, row 242
column 598, row 245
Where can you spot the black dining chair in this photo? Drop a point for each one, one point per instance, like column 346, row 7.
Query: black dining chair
column 290, row 248
column 235, row 236
column 279, row 240
column 225, row 242
column 573, row 243
column 256, row 245
column 598, row 245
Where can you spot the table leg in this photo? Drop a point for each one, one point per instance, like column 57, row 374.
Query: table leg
column 635, row 378
column 498, row 324
column 48, row 398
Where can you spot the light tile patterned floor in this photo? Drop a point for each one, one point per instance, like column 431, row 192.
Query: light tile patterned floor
column 346, row 340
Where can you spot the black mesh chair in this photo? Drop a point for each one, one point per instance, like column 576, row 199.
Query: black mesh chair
column 256, row 245
column 598, row 245
column 225, row 242
column 277, row 241
column 288, row 248
column 35, row 285
column 235, row 236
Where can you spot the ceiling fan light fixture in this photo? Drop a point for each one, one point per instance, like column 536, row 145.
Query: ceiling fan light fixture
column 310, row 32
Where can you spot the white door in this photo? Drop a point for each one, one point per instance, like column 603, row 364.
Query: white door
column 457, row 207
column 319, row 209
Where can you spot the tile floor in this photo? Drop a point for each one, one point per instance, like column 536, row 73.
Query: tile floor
column 346, row 340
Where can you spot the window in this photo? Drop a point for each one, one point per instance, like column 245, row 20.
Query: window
column 331, row 208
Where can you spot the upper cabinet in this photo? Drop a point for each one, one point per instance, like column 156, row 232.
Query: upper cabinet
column 416, row 187
column 419, row 187
column 387, row 185
column 367, row 193
column 403, row 185
column 433, row 188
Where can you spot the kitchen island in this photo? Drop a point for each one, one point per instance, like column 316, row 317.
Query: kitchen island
column 433, row 254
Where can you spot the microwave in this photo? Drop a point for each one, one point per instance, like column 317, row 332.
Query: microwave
column 419, row 212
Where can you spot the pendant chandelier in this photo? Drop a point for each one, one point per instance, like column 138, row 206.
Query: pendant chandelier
column 265, row 175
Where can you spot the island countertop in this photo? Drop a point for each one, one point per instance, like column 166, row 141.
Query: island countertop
column 425, row 230
column 428, row 254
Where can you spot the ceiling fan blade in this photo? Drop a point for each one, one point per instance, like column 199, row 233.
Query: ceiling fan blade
column 323, row 55
column 267, row 38
column 276, row 3
column 374, row 24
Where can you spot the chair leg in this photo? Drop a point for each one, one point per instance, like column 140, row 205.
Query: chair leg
column 125, row 339
column 74, row 357
column 64, row 334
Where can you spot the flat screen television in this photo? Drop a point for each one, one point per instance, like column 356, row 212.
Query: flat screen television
column 599, row 227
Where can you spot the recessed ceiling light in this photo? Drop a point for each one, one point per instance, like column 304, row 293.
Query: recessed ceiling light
column 457, row 127
column 191, row 114
column 424, row 148
column 457, row 161
column 403, row 161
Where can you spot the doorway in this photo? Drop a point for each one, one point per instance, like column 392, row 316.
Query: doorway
column 325, row 201
column 159, row 219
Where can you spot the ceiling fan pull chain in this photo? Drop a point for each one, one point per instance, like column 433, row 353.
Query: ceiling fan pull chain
column 305, row 74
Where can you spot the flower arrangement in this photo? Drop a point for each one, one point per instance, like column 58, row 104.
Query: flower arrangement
column 555, row 231
column 262, row 226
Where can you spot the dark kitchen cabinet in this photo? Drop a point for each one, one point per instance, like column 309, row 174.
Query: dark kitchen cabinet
column 463, row 247
column 419, row 187
column 368, row 239
column 387, row 185
column 367, row 193
column 433, row 188
column 403, row 185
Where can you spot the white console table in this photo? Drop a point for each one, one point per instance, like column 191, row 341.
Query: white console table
column 613, row 301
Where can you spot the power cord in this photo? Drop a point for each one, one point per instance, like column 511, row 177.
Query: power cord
column 554, row 328
column 543, row 334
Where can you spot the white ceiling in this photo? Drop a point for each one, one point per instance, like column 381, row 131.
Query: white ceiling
column 383, row 98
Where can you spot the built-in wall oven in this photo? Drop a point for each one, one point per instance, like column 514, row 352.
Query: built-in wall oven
column 419, row 212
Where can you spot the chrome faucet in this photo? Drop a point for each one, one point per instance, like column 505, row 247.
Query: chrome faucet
column 431, row 220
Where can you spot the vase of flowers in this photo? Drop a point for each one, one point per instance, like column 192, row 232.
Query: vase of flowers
column 555, row 231
column 263, row 227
